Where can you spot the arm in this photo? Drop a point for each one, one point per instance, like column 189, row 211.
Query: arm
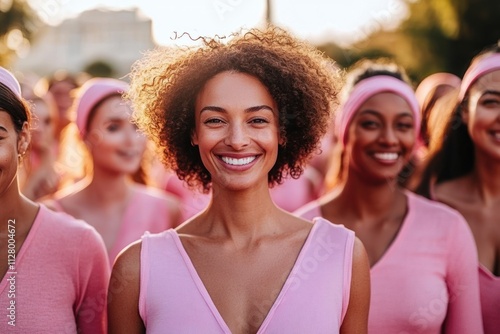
column 123, row 294
column 462, row 279
column 356, row 318
column 93, row 271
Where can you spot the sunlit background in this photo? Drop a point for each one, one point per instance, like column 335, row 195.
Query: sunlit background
column 104, row 38
column 318, row 20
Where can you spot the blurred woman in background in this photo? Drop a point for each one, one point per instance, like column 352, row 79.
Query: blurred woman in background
column 463, row 171
column 107, row 198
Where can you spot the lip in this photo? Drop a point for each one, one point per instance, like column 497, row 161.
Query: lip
column 386, row 158
column 238, row 162
column 129, row 154
column 495, row 135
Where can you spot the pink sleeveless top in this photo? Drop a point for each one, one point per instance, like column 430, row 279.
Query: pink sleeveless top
column 314, row 298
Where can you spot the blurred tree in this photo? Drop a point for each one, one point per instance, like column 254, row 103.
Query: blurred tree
column 439, row 35
column 18, row 22
column 346, row 57
column 100, row 68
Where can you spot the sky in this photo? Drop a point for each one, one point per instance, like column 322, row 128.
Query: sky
column 342, row 21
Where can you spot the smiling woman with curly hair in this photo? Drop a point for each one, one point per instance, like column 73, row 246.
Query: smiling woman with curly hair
column 236, row 117
column 304, row 84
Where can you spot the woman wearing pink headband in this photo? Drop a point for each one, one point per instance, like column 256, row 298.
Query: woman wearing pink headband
column 422, row 254
column 107, row 198
column 463, row 172
column 53, row 270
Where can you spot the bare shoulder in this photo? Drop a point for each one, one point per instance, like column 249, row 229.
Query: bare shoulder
column 129, row 258
column 454, row 192
column 123, row 292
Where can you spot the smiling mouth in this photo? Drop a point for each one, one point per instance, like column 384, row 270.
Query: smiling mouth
column 238, row 162
column 386, row 156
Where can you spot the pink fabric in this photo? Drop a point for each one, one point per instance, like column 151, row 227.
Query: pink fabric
column 434, row 80
column 427, row 278
column 365, row 89
column 313, row 299
column 294, row 193
column 61, row 281
column 490, row 300
column 91, row 93
column 487, row 64
column 489, row 286
column 192, row 201
column 10, row 81
column 148, row 211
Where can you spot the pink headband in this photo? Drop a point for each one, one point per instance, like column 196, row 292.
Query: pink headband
column 482, row 66
column 365, row 89
column 10, row 81
column 91, row 93
column 433, row 81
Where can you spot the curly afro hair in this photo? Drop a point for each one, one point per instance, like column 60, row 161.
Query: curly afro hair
column 166, row 82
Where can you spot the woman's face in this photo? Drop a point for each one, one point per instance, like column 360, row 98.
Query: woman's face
column 381, row 138
column 236, row 130
column 43, row 125
column 11, row 144
column 114, row 142
column 482, row 114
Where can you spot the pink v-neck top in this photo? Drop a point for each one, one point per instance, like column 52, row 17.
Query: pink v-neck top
column 489, row 286
column 490, row 300
column 427, row 278
column 313, row 299
column 60, row 279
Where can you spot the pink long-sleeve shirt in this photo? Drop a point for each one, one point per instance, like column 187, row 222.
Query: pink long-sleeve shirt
column 59, row 281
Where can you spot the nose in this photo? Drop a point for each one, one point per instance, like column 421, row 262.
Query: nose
column 237, row 136
column 388, row 136
column 133, row 135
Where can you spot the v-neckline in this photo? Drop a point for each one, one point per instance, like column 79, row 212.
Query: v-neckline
column 399, row 234
column 206, row 296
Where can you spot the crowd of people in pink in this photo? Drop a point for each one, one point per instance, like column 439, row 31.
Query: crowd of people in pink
column 251, row 186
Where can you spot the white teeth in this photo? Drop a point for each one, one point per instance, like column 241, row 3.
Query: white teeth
column 238, row 162
column 496, row 135
column 386, row 156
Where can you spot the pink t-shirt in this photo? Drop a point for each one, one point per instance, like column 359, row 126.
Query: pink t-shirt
column 490, row 300
column 60, row 281
column 313, row 299
column 427, row 278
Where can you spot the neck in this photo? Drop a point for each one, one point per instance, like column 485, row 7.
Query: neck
column 243, row 215
column 366, row 201
column 486, row 178
column 109, row 187
column 16, row 206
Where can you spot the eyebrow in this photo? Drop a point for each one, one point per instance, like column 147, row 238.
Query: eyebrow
column 117, row 119
column 493, row 92
column 377, row 113
column 251, row 109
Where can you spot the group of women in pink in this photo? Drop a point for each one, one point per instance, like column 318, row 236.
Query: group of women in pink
column 404, row 239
